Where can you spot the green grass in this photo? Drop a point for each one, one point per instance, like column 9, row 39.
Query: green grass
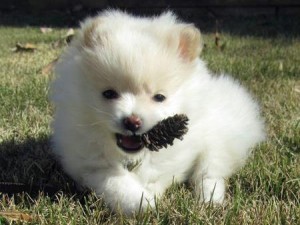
column 265, row 191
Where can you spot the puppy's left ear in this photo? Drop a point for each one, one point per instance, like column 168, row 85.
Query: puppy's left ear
column 190, row 42
column 88, row 31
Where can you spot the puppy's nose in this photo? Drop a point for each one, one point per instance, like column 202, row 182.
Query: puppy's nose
column 132, row 123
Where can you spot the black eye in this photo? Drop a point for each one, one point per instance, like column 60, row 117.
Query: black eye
column 159, row 98
column 110, row 94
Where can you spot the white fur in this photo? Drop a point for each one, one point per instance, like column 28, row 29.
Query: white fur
column 139, row 58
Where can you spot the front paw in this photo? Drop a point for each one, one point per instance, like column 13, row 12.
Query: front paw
column 132, row 203
column 126, row 194
column 155, row 188
column 212, row 190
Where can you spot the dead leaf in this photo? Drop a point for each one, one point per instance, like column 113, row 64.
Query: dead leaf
column 45, row 30
column 297, row 89
column 28, row 47
column 70, row 34
column 49, row 67
column 16, row 216
column 65, row 40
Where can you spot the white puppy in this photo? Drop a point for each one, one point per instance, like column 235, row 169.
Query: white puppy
column 117, row 79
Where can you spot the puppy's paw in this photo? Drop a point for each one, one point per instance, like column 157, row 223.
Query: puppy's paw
column 212, row 190
column 135, row 203
column 126, row 194
column 156, row 189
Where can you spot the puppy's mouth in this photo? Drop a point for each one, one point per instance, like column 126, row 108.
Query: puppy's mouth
column 131, row 143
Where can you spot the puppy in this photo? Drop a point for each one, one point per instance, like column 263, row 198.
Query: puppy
column 118, row 78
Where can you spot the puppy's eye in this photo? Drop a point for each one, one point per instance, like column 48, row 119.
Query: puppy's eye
column 110, row 94
column 159, row 98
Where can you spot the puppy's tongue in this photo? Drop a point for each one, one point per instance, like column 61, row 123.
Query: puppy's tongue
column 129, row 143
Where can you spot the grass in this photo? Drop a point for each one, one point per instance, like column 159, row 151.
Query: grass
column 265, row 191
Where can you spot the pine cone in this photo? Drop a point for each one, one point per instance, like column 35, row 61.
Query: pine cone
column 164, row 133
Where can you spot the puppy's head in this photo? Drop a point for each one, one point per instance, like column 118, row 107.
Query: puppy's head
column 134, row 70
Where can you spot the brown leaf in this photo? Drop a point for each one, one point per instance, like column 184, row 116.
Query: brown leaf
column 16, row 216
column 28, row 47
column 45, row 30
column 70, row 34
column 65, row 40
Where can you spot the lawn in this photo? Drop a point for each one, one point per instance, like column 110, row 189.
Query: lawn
column 263, row 54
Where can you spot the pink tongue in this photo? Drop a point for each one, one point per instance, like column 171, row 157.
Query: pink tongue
column 132, row 142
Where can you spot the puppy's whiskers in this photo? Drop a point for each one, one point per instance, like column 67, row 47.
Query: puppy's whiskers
column 99, row 122
column 100, row 111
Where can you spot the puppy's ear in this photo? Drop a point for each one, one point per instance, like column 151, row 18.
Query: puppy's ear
column 190, row 43
column 89, row 35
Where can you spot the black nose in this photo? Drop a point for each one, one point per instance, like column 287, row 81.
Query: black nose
column 132, row 123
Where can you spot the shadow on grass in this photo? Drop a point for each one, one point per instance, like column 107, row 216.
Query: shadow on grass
column 30, row 167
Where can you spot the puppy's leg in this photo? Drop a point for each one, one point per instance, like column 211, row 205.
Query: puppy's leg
column 209, row 178
column 212, row 189
column 121, row 190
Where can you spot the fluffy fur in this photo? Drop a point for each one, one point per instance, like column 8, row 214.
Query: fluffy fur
column 139, row 58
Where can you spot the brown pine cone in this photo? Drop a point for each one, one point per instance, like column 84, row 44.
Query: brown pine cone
column 164, row 133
